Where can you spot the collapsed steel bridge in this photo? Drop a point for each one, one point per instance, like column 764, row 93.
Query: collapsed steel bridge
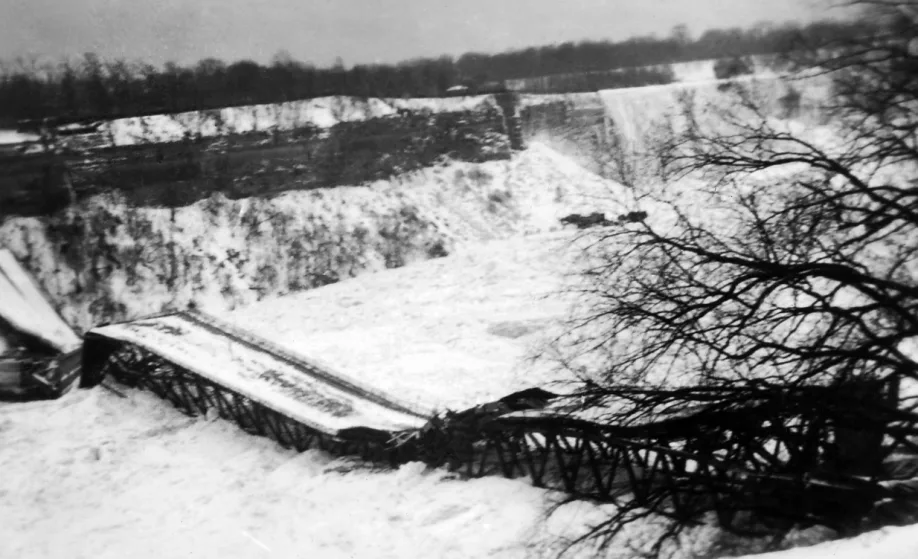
column 760, row 468
column 201, row 364
column 757, row 466
column 39, row 352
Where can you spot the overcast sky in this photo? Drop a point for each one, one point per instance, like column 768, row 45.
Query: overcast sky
column 359, row 31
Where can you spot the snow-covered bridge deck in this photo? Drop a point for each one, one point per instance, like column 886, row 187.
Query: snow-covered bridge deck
column 26, row 308
column 39, row 352
column 202, row 363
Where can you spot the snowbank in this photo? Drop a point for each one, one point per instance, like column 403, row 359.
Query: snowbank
column 888, row 543
column 96, row 475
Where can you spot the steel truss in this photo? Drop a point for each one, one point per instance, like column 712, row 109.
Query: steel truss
column 759, row 473
column 759, row 469
column 195, row 396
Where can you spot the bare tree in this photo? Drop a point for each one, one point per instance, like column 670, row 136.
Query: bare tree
column 781, row 257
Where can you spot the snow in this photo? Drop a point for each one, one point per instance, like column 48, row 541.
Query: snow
column 224, row 253
column 451, row 332
column 909, row 347
column 14, row 137
column 102, row 476
column 693, row 71
column 96, row 475
column 636, row 112
column 886, row 543
column 24, row 306
column 321, row 113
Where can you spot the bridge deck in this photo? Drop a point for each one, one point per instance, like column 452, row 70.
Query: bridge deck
column 26, row 308
column 294, row 387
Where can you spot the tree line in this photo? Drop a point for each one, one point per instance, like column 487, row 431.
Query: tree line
column 92, row 87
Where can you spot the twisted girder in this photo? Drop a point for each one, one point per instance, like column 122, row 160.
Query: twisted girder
column 775, row 460
column 760, row 468
column 195, row 395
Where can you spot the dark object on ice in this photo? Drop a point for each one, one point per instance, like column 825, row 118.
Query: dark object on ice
column 584, row 221
column 633, row 217
column 437, row 250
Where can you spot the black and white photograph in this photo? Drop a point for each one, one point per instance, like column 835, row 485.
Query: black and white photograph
column 424, row 279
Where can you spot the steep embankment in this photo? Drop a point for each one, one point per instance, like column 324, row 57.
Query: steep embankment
column 177, row 159
column 321, row 113
column 106, row 260
column 109, row 258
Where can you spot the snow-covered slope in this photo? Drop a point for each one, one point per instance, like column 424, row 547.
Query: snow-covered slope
column 101, row 476
column 105, row 260
column 321, row 112
column 97, row 475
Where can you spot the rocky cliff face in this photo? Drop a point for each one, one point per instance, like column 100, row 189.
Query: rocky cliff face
column 175, row 160
column 108, row 259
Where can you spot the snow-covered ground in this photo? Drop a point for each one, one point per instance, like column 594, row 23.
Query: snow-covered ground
column 99, row 476
column 317, row 113
column 321, row 112
column 446, row 333
column 887, row 543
